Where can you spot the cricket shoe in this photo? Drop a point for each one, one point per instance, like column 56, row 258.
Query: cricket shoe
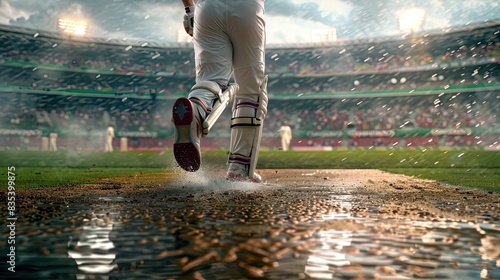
column 186, row 135
column 237, row 172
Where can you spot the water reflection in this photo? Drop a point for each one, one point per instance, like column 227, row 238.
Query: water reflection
column 288, row 239
column 329, row 254
column 398, row 249
column 490, row 249
column 92, row 250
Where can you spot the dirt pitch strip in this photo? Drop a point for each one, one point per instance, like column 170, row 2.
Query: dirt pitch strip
column 391, row 193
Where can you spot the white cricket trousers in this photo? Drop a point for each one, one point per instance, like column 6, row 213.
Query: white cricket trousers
column 229, row 35
column 229, row 40
column 109, row 144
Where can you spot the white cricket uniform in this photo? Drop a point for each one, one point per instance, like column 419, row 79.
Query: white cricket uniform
column 110, row 134
column 229, row 35
column 286, row 137
column 229, row 38
column 53, row 141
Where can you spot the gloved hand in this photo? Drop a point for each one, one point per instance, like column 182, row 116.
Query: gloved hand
column 189, row 20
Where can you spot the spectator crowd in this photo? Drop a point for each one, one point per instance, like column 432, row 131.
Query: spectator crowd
column 56, row 64
column 467, row 110
column 60, row 63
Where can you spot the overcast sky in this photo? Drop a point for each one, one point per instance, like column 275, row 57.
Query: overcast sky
column 288, row 21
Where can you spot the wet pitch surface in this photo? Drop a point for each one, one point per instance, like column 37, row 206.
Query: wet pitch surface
column 324, row 227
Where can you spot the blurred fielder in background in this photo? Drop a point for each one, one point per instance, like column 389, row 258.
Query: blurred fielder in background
column 286, row 136
column 229, row 40
column 110, row 134
column 53, row 140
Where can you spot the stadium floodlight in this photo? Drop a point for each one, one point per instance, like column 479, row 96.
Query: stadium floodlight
column 411, row 20
column 76, row 27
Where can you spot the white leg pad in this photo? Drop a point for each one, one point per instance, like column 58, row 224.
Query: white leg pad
column 246, row 129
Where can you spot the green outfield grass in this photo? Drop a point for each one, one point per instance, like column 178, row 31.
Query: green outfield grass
column 487, row 179
column 464, row 168
column 48, row 176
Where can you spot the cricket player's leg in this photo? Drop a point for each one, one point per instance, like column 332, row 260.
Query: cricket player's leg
column 247, row 33
column 188, row 115
column 106, row 145
column 283, row 144
column 227, row 38
column 110, row 144
column 213, row 54
column 213, row 61
column 246, row 132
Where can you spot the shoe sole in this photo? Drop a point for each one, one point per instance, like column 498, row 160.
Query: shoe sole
column 185, row 152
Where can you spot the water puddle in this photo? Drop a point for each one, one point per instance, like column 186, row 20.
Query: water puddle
column 196, row 234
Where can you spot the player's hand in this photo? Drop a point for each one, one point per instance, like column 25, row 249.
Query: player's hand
column 189, row 20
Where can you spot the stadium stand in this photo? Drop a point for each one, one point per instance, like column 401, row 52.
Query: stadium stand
column 430, row 89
